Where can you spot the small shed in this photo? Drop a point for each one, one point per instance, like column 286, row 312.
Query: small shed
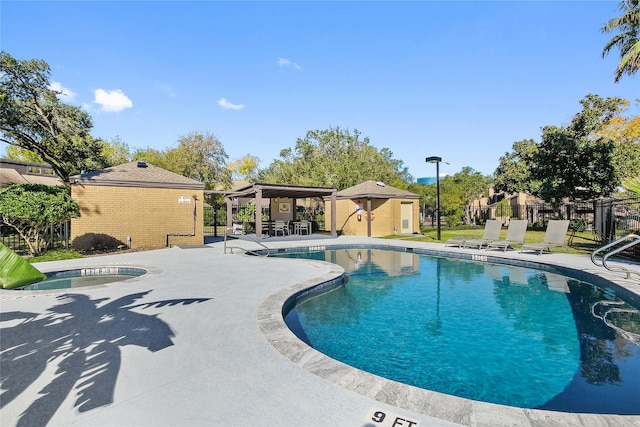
column 137, row 205
column 374, row 209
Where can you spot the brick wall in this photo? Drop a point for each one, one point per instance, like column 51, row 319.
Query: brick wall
column 109, row 214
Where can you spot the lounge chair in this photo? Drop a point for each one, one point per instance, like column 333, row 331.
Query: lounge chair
column 491, row 232
column 554, row 237
column 515, row 235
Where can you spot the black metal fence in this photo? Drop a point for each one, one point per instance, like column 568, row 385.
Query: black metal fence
column 607, row 218
column 57, row 238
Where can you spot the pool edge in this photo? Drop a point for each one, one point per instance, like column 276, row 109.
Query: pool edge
column 426, row 402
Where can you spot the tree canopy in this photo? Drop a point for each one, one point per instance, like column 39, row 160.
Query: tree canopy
column 31, row 209
column 626, row 39
column 335, row 158
column 514, row 170
column 32, row 117
column 198, row 156
column 244, row 168
column 585, row 159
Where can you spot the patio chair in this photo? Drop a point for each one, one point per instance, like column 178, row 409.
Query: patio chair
column 491, row 232
column 515, row 235
column 303, row 227
column 554, row 237
column 280, row 227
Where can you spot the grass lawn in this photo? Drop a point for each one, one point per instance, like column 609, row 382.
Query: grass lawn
column 54, row 255
column 581, row 243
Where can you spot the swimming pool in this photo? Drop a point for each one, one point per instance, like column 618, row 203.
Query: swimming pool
column 492, row 332
column 80, row 277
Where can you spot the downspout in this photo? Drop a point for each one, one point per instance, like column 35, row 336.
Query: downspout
column 195, row 217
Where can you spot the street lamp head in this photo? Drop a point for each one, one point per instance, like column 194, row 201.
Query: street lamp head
column 433, row 159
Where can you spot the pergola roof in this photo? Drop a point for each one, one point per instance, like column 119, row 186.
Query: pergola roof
column 271, row 191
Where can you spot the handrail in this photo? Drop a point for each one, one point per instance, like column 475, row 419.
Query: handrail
column 230, row 231
column 615, row 251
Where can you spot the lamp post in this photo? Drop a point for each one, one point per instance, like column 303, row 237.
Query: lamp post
column 436, row 160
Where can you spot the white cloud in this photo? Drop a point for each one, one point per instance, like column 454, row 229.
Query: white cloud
column 167, row 90
column 111, row 101
column 229, row 106
column 64, row 94
column 284, row 62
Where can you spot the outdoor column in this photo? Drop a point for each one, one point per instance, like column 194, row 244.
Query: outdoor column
column 334, row 233
column 229, row 204
column 258, row 211
column 368, row 217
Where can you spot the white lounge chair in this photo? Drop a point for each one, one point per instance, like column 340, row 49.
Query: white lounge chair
column 491, row 232
column 554, row 237
column 515, row 235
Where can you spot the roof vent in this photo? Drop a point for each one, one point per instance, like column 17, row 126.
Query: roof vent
column 381, row 184
column 142, row 164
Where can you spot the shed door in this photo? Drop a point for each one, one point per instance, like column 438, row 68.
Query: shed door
column 406, row 214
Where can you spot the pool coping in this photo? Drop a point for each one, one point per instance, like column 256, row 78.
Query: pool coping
column 149, row 271
column 434, row 404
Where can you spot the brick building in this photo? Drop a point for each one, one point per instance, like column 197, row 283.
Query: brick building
column 137, row 205
column 374, row 209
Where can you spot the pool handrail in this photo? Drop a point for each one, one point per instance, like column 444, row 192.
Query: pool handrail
column 616, row 250
column 230, row 231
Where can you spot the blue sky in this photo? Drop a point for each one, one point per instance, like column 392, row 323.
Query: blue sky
column 460, row 80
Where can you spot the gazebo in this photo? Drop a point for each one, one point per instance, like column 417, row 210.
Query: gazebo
column 286, row 196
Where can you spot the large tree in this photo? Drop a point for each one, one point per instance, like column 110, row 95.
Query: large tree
column 627, row 39
column 514, row 170
column 625, row 132
column 244, row 168
column 33, row 118
column 31, row 209
column 472, row 185
column 199, row 156
column 336, row 158
column 576, row 161
column 116, row 152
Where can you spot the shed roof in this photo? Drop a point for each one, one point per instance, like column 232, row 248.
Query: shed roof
column 375, row 190
column 136, row 174
column 12, row 176
column 19, row 172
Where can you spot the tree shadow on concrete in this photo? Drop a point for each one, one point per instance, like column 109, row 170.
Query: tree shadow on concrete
column 83, row 338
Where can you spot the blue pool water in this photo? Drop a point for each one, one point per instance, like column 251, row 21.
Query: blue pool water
column 489, row 332
column 81, row 277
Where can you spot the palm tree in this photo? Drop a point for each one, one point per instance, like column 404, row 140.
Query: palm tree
column 628, row 38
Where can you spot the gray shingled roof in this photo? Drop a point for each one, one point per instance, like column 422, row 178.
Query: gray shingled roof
column 136, row 174
column 375, row 190
column 12, row 176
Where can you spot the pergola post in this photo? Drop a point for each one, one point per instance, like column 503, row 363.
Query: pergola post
column 334, row 233
column 258, row 211
column 229, row 204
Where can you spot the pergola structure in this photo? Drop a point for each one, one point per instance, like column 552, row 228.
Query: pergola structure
column 260, row 191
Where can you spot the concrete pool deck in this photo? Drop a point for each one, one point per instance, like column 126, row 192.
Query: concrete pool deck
column 199, row 340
